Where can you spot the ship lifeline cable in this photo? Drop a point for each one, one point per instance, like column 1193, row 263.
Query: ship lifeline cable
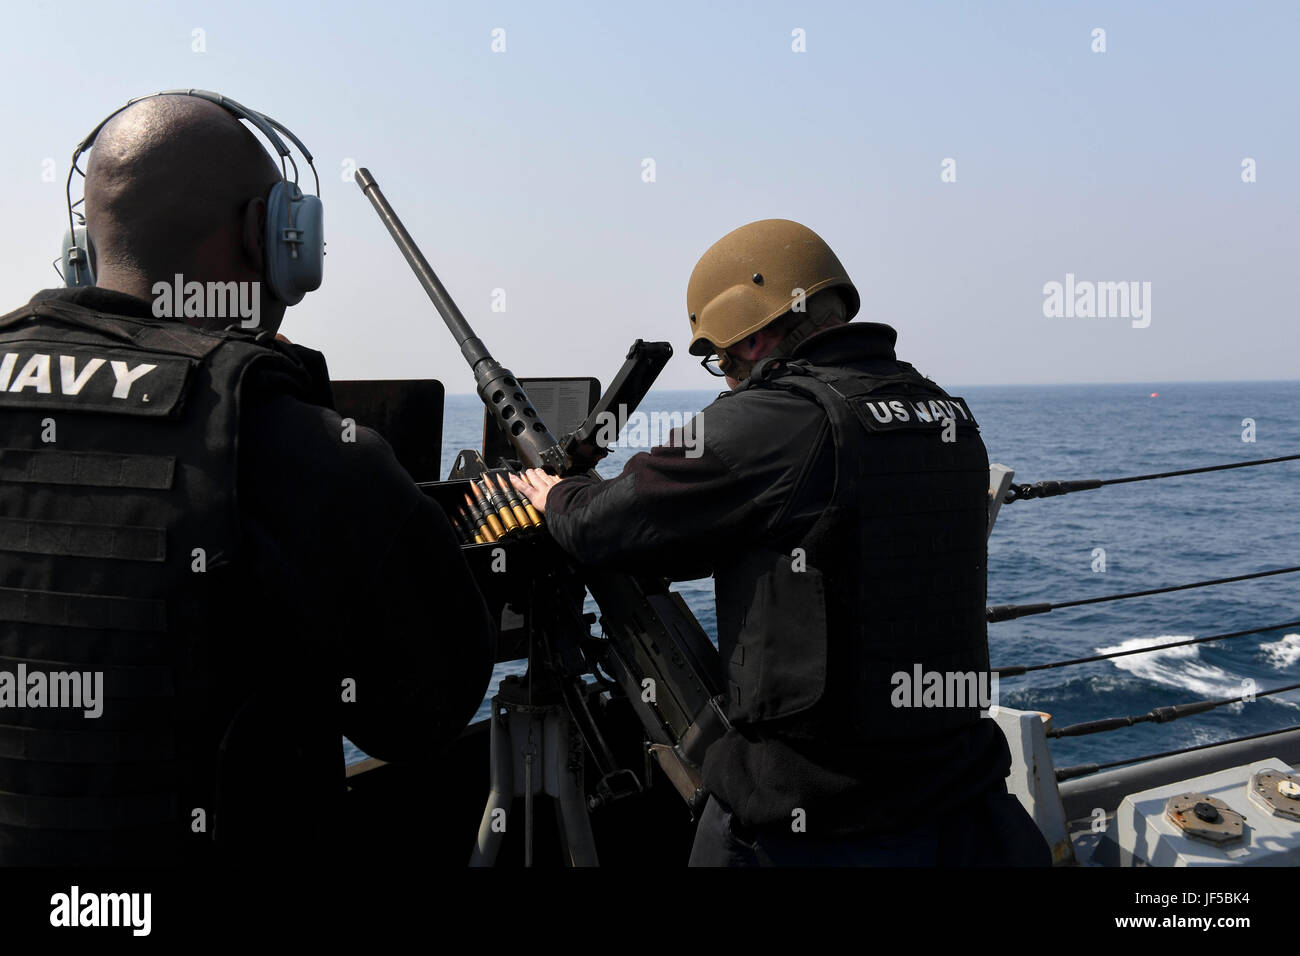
column 1007, row 612
column 1050, row 489
column 1160, row 715
column 1016, row 671
column 1083, row 769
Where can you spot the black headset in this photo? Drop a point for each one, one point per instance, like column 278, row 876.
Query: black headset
column 295, row 239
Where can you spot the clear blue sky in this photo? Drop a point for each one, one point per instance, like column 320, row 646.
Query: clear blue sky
column 522, row 170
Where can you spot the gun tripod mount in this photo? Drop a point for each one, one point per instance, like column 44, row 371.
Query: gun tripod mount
column 535, row 749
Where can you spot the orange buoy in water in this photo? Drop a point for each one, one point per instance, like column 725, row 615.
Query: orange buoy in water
column 1155, row 394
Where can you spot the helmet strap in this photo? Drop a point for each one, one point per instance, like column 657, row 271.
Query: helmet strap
column 809, row 326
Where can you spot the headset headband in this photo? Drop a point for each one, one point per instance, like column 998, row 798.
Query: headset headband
column 265, row 124
column 295, row 245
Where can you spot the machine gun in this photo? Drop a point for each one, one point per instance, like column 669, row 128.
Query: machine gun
column 653, row 653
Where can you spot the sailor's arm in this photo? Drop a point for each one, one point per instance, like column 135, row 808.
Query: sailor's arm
column 678, row 509
column 369, row 568
column 652, row 518
column 425, row 659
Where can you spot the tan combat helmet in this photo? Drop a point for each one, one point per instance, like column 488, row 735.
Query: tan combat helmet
column 748, row 278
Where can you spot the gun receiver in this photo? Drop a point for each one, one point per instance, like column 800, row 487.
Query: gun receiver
column 654, row 648
column 645, row 360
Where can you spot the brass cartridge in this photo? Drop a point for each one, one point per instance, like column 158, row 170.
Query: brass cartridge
column 466, row 523
column 516, row 503
column 533, row 516
column 485, row 507
column 480, row 520
column 500, row 505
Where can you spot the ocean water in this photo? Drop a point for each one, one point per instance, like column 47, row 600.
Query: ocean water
column 1156, row 533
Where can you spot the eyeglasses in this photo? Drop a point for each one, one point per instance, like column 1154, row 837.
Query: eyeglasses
column 712, row 364
column 720, row 364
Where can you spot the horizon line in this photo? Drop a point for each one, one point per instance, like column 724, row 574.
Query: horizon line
column 1214, row 381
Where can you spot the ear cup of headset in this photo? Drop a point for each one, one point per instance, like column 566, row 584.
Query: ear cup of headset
column 295, row 238
column 78, row 259
column 295, row 242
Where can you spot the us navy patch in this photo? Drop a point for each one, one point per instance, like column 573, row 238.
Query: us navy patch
column 82, row 378
column 887, row 413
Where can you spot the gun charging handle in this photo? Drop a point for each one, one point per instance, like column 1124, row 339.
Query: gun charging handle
column 497, row 386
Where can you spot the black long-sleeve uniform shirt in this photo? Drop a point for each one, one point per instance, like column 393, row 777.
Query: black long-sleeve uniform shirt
column 762, row 469
column 353, row 574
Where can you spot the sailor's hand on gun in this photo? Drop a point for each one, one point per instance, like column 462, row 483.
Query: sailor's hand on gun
column 535, row 485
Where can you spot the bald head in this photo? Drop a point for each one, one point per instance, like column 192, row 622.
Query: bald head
column 177, row 184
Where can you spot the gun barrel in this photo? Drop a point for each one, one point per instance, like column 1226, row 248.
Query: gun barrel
column 497, row 386
column 470, row 344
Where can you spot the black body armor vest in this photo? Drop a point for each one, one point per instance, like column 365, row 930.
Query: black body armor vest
column 889, row 581
column 118, row 535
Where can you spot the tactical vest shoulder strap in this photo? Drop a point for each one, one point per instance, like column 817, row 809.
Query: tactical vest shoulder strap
column 79, row 324
column 821, row 386
column 171, row 337
column 842, row 394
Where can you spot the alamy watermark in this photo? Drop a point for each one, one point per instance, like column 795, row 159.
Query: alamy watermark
column 947, row 689
column 77, row 909
column 1098, row 300
column 208, row 300
column 74, row 690
column 650, row 430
